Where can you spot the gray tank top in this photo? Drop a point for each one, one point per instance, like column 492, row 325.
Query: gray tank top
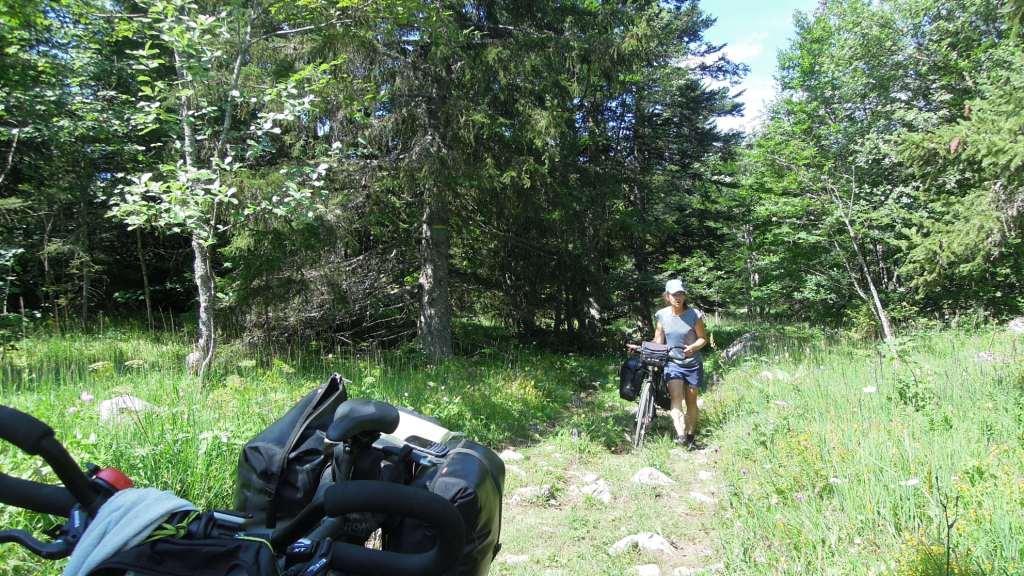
column 681, row 331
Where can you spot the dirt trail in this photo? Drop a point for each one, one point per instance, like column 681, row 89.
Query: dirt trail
column 568, row 501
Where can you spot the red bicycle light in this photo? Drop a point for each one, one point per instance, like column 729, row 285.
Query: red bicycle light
column 114, row 478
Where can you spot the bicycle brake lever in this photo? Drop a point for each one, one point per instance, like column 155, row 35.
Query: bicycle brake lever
column 68, row 536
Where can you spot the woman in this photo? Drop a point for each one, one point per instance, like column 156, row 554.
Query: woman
column 683, row 326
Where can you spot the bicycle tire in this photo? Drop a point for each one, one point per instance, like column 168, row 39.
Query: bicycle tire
column 644, row 412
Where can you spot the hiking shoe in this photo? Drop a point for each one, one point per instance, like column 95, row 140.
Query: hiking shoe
column 689, row 442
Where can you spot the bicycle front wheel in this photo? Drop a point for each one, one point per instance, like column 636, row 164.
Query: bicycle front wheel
column 644, row 413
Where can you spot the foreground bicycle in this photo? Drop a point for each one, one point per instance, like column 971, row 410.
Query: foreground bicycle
column 424, row 530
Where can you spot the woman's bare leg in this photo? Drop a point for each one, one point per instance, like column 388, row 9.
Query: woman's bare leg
column 692, row 411
column 676, row 390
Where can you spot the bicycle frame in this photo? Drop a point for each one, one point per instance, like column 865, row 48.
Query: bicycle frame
column 646, row 407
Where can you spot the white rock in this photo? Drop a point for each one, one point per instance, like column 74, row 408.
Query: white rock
column 652, row 477
column 1016, row 325
column 86, row 396
column 647, row 541
column 590, row 478
column 705, row 475
column 776, row 374
column 599, row 489
column 119, row 407
column 700, row 403
column 911, row 482
column 648, row 570
column 702, row 498
column 781, row 403
column 541, row 493
column 870, row 389
column 516, row 559
column 742, row 346
column 510, row 455
column 990, row 358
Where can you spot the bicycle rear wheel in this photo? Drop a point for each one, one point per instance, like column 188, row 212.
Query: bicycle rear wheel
column 644, row 412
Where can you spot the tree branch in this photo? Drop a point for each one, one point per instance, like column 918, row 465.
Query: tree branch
column 10, row 154
column 243, row 51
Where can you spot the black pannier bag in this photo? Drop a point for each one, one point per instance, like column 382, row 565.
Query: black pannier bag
column 472, row 477
column 188, row 557
column 631, row 378
column 279, row 470
column 662, row 398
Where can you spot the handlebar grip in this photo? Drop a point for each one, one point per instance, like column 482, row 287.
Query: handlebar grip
column 36, row 438
column 23, row 430
column 399, row 500
column 35, row 496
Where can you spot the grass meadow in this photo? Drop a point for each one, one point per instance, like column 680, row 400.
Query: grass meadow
column 835, row 456
column 846, row 458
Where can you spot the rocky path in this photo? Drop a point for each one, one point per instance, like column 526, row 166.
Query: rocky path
column 572, row 506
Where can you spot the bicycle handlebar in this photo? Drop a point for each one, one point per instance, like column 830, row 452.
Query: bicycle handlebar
column 35, row 496
column 399, row 500
column 36, row 438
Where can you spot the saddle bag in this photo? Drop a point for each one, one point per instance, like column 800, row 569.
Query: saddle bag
column 279, row 470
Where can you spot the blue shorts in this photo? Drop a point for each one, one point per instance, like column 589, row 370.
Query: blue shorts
column 692, row 375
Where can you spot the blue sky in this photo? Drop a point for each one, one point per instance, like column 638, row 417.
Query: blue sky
column 754, row 31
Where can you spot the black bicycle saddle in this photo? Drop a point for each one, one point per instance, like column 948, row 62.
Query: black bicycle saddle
column 355, row 417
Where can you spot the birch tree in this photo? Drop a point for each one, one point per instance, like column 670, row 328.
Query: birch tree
column 221, row 129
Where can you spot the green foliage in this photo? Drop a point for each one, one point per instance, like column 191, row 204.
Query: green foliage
column 863, row 179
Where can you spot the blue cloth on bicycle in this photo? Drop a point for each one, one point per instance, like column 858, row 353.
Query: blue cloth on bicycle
column 125, row 520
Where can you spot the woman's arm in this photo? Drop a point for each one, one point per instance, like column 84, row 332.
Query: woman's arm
column 659, row 334
column 700, row 342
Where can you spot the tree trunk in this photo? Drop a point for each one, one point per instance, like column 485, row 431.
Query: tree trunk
column 145, row 278
column 83, row 252
column 435, row 322
column 204, row 285
column 876, row 301
column 642, row 317
column 47, row 291
column 200, row 358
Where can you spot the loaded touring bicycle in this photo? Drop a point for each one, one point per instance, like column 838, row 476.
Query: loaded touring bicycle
column 337, row 486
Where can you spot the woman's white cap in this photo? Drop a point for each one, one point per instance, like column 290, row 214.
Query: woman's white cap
column 675, row 285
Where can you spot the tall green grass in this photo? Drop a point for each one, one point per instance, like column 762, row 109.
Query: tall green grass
column 190, row 443
column 855, row 459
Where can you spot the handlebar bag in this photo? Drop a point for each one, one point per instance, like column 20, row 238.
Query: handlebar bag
column 654, row 354
column 471, row 477
column 187, row 557
column 279, row 470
